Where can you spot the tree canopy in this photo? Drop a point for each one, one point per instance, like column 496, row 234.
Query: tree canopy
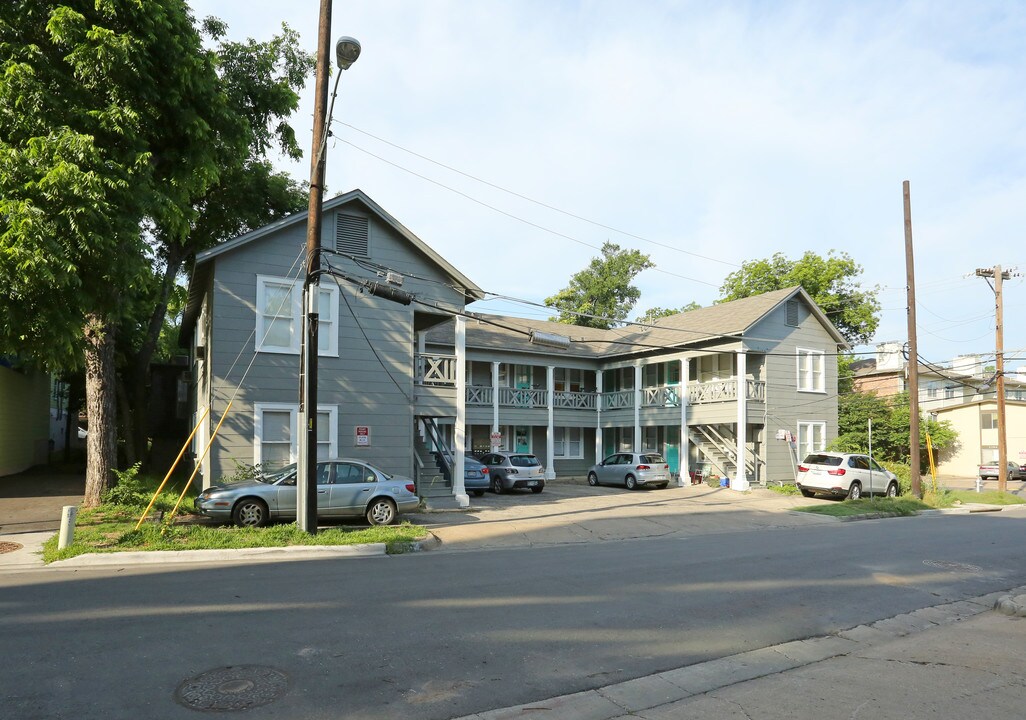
column 831, row 281
column 115, row 123
column 891, row 425
column 653, row 314
column 601, row 295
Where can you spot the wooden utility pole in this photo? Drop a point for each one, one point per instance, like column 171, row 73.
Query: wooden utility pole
column 913, row 350
column 999, row 368
column 306, row 475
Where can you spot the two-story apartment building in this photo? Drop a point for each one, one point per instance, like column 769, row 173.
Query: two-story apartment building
column 737, row 389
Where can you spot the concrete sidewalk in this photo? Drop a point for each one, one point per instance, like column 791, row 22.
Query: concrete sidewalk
column 951, row 661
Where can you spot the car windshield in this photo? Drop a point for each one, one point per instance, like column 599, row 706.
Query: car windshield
column 653, row 459
column 823, row 460
column 272, row 476
column 523, row 460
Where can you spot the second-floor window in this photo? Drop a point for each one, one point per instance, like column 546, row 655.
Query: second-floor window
column 988, row 420
column 279, row 316
column 811, row 370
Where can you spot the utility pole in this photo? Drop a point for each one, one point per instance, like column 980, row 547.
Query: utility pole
column 306, row 471
column 913, row 350
column 999, row 367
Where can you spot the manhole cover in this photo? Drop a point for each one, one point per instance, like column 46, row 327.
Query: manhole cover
column 6, row 547
column 948, row 565
column 232, row 688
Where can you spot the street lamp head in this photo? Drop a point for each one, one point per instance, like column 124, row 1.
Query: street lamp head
column 347, row 49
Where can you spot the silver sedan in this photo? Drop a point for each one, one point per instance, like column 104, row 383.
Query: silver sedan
column 345, row 488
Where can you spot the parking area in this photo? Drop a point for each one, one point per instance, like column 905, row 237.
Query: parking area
column 568, row 513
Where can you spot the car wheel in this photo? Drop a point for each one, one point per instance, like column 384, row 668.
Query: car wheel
column 631, row 482
column 892, row 490
column 478, row 493
column 250, row 512
column 537, row 490
column 855, row 491
column 381, row 512
column 806, row 493
column 497, row 487
column 592, row 479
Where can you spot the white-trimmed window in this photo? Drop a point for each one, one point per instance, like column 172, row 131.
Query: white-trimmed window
column 566, row 443
column 276, row 433
column 279, row 316
column 811, row 438
column 811, row 370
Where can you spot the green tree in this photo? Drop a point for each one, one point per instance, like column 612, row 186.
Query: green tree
column 601, row 295
column 259, row 83
column 653, row 314
column 890, row 418
column 831, row 281
column 108, row 116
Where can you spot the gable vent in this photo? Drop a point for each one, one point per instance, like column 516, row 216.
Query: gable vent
column 792, row 313
column 351, row 234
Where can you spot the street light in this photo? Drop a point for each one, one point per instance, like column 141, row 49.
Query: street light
column 346, row 50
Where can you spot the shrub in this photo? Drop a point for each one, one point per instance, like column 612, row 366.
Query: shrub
column 904, row 473
column 129, row 491
column 242, row 471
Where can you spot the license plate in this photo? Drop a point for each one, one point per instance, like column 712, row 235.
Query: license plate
column 532, row 483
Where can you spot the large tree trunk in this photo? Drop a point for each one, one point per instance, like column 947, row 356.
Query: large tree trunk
column 101, row 444
column 137, row 373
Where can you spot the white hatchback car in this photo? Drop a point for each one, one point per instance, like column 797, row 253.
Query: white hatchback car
column 850, row 475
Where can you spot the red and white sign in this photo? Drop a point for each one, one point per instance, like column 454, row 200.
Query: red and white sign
column 362, row 436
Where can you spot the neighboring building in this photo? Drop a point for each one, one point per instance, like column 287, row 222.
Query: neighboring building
column 398, row 381
column 962, row 391
column 24, row 417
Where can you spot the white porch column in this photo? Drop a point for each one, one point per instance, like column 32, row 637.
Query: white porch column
column 495, row 402
column 460, row 439
column 740, row 482
column 550, row 434
column 637, row 408
column 598, row 416
column 685, row 456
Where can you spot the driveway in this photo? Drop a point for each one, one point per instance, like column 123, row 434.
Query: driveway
column 31, row 501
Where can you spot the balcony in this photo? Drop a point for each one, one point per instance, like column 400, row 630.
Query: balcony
column 440, row 370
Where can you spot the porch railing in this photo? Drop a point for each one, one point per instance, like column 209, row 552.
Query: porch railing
column 523, row 397
column 436, row 369
column 618, row 400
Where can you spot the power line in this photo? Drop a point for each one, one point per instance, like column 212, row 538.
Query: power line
column 532, row 200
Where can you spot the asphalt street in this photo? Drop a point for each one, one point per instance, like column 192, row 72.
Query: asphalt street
column 445, row 634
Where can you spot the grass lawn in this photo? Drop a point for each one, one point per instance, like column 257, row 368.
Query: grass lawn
column 908, row 505
column 111, row 528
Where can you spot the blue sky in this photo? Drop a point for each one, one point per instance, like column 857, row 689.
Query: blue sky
column 706, row 133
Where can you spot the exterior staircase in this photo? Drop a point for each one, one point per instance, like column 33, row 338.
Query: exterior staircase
column 718, row 445
column 433, row 467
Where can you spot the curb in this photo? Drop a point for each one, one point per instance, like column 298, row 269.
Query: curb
column 290, row 552
column 632, row 697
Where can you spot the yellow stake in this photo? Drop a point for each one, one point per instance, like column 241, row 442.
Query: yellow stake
column 933, row 468
column 199, row 462
column 173, row 466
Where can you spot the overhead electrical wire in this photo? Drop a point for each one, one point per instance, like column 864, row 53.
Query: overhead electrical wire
column 532, row 200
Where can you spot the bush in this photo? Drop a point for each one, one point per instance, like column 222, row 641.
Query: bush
column 242, row 471
column 904, row 473
column 128, row 491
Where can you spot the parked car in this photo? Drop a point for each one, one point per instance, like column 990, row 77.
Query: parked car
column 632, row 470
column 1015, row 472
column 509, row 470
column 345, row 488
column 475, row 476
column 848, row 475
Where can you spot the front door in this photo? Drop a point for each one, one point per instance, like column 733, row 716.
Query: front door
column 522, row 442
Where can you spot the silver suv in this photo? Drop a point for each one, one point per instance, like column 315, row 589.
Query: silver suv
column 850, row 475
